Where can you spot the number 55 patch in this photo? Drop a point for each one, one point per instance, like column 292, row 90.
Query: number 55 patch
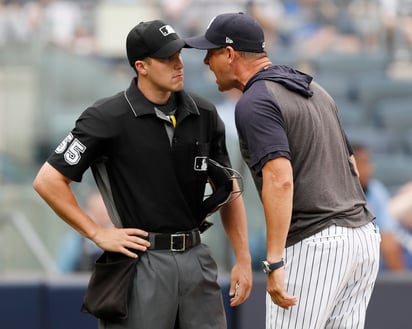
column 72, row 149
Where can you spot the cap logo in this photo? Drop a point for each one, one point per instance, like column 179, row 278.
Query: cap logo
column 210, row 23
column 166, row 30
column 228, row 40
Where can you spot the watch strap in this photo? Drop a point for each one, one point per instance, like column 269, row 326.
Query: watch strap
column 269, row 268
column 275, row 266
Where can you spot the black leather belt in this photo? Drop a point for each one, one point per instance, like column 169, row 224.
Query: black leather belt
column 179, row 241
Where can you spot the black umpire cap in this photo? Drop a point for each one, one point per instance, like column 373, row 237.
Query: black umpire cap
column 152, row 39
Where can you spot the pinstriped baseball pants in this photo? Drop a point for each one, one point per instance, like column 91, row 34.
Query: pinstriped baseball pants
column 332, row 274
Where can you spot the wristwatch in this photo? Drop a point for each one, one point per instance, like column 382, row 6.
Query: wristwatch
column 269, row 268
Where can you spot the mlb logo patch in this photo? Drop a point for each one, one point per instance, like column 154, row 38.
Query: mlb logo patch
column 166, row 30
column 200, row 164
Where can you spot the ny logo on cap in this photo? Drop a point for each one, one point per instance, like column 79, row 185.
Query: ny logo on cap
column 166, row 30
column 210, row 23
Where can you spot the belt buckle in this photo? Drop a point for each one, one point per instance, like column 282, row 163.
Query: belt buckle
column 176, row 238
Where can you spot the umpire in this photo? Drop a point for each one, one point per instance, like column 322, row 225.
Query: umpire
column 148, row 147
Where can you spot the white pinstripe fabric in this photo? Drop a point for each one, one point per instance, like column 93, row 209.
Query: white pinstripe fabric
column 332, row 273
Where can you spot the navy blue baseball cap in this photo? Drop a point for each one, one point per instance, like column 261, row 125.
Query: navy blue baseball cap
column 152, row 39
column 238, row 30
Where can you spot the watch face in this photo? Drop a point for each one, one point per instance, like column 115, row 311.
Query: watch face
column 265, row 267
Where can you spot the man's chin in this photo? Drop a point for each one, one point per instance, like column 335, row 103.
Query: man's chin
column 221, row 88
column 178, row 88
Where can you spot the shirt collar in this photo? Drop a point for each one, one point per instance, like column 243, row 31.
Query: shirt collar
column 140, row 106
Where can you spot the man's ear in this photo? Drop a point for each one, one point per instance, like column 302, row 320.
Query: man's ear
column 230, row 54
column 140, row 67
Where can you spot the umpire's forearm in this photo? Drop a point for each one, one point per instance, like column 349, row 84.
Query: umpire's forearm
column 234, row 221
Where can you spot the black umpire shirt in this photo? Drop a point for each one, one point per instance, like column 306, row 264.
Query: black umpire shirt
column 147, row 180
